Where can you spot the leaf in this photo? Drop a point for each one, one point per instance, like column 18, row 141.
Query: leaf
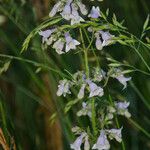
column 146, row 23
column 127, row 71
column 70, row 104
column 5, row 67
column 38, row 70
column 114, row 65
column 107, row 12
column 53, row 117
column 111, row 59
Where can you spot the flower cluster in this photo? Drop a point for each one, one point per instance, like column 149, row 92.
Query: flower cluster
column 89, row 83
column 80, row 79
column 70, row 11
column 93, row 85
column 60, row 43
column 102, row 141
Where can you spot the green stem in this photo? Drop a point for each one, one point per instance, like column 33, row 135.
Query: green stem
column 139, row 127
column 33, row 63
column 87, row 73
column 117, row 122
column 93, row 118
column 85, row 54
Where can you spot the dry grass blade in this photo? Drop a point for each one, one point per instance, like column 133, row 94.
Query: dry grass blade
column 3, row 141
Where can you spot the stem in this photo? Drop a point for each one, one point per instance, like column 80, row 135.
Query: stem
column 93, row 118
column 85, row 54
column 87, row 73
column 139, row 54
column 117, row 122
column 139, row 127
column 33, row 63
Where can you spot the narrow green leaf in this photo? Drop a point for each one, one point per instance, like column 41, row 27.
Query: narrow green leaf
column 146, row 23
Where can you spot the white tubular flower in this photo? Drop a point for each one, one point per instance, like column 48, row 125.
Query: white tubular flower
column 95, row 12
column 102, row 142
column 86, row 110
column 81, row 92
column 82, row 8
column 107, row 38
column 78, row 142
column 86, row 143
column 57, row 7
column 115, row 134
column 46, row 34
column 120, row 77
column 95, row 90
column 123, row 80
column 66, row 13
column 58, row 46
column 70, row 42
column 63, row 88
column 122, row 109
column 75, row 18
column 98, row 43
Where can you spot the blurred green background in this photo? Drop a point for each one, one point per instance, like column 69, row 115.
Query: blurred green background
column 27, row 96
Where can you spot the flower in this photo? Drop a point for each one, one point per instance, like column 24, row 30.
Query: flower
column 123, row 80
column 86, row 143
column 102, row 142
column 66, row 13
column 86, row 110
column 122, row 108
column 70, row 42
column 107, row 38
column 57, row 7
column 120, row 77
column 75, row 18
column 81, row 92
column 78, row 142
column 98, row 43
column 115, row 134
column 59, row 45
column 95, row 12
column 63, row 88
column 95, row 90
column 82, row 8
column 46, row 34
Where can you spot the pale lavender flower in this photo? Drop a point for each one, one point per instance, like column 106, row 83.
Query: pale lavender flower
column 82, row 8
column 98, row 43
column 75, row 18
column 63, row 88
column 66, row 13
column 86, row 110
column 115, row 134
column 95, row 90
column 122, row 108
column 70, row 42
column 86, row 143
column 58, row 46
column 102, row 142
column 95, row 12
column 81, row 92
column 46, row 34
column 123, row 80
column 78, row 142
column 107, row 38
column 57, row 7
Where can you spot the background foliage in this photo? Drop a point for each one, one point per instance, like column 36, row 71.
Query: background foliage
column 27, row 94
